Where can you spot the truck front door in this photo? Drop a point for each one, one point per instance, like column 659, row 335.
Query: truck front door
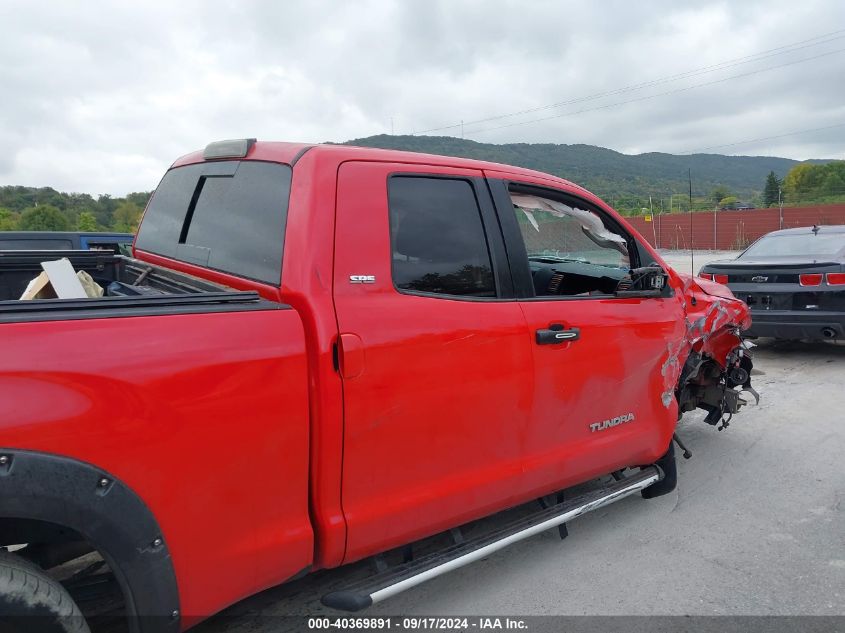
column 436, row 368
column 603, row 393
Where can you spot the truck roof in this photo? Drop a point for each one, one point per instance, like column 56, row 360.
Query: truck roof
column 289, row 153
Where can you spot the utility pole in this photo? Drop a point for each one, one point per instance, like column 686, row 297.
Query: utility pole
column 780, row 204
column 659, row 223
column 715, row 212
column 653, row 220
column 691, row 241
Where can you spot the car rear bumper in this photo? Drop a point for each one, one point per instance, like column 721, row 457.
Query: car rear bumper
column 797, row 324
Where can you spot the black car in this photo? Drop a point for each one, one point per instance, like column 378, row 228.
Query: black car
column 737, row 206
column 793, row 280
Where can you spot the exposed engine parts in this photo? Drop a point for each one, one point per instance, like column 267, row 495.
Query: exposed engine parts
column 705, row 385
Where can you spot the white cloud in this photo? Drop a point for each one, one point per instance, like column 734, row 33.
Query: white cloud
column 101, row 99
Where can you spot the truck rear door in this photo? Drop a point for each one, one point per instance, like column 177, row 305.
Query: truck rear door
column 432, row 350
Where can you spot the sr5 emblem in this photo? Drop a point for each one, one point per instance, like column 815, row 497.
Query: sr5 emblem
column 362, row 279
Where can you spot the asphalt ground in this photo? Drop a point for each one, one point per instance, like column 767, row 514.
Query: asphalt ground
column 754, row 528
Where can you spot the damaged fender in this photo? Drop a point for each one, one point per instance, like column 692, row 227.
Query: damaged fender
column 703, row 369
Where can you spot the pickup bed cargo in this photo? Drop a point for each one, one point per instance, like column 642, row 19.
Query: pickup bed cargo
column 319, row 354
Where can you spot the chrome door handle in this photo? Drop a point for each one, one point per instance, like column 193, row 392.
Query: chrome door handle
column 557, row 334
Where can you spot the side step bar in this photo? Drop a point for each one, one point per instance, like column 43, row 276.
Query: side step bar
column 397, row 579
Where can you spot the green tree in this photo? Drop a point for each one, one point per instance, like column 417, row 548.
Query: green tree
column 809, row 183
column 104, row 210
column 126, row 217
column 771, row 189
column 726, row 202
column 86, row 221
column 43, row 218
column 799, row 183
column 718, row 194
column 139, row 198
column 8, row 220
column 833, row 184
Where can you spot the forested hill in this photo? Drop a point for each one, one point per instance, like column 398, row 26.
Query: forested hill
column 623, row 180
column 618, row 178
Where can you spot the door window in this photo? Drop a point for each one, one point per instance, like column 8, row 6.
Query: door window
column 570, row 249
column 437, row 238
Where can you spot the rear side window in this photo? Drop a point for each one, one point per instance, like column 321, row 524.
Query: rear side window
column 437, row 238
column 226, row 215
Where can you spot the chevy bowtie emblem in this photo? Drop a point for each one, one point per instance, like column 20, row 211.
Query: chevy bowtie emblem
column 759, row 279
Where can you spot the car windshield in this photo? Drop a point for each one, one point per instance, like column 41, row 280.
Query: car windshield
column 811, row 244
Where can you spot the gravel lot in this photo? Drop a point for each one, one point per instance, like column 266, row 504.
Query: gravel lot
column 755, row 527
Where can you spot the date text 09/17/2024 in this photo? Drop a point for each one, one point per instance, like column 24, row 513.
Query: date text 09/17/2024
column 419, row 623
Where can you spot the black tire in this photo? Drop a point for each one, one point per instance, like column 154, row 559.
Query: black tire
column 31, row 601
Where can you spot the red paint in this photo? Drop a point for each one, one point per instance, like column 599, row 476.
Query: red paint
column 364, row 418
column 350, row 355
column 203, row 416
column 713, row 317
column 433, row 427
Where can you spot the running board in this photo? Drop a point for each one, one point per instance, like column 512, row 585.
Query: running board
column 401, row 577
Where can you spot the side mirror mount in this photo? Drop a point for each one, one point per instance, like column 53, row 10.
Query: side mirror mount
column 648, row 281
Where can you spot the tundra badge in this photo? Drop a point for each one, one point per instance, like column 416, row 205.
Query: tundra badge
column 606, row 424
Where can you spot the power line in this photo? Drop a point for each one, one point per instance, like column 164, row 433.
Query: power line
column 765, row 138
column 780, row 50
column 660, row 94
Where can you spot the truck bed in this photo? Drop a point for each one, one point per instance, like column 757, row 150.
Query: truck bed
column 132, row 288
column 193, row 396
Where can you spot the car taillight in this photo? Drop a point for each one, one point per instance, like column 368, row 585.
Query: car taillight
column 814, row 279
column 706, row 276
column 720, row 279
column 836, row 279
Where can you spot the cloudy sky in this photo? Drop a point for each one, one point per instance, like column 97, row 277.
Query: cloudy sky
column 101, row 97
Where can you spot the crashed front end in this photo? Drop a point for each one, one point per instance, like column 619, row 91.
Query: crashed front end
column 710, row 367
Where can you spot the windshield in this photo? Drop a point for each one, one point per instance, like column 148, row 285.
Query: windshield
column 810, row 244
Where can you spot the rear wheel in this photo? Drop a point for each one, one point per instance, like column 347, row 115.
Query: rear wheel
column 31, row 601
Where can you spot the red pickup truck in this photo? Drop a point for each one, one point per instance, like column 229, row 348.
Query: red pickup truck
column 324, row 353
